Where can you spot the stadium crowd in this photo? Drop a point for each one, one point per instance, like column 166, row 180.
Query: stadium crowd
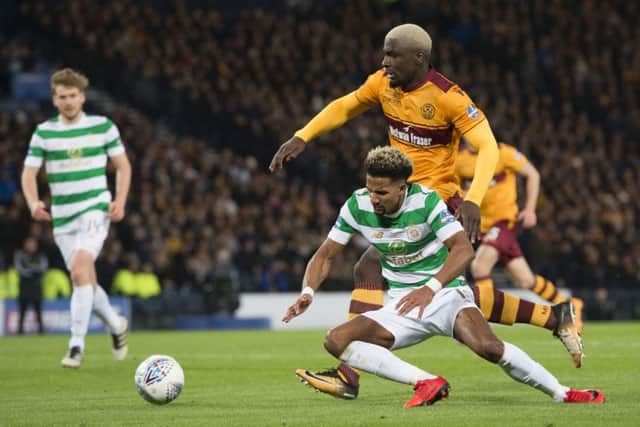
column 216, row 91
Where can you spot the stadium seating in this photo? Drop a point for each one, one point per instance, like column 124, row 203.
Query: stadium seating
column 200, row 123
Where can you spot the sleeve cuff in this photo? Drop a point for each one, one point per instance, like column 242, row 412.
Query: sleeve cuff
column 449, row 230
column 339, row 236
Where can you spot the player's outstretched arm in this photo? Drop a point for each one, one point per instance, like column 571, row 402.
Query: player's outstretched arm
column 528, row 215
column 334, row 115
column 482, row 139
column 29, row 183
column 317, row 270
column 287, row 151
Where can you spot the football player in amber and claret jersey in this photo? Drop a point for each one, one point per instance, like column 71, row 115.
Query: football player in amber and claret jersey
column 500, row 220
column 426, row 116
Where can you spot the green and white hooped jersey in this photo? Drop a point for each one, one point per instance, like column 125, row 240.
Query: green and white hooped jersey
column 410, row 242
column 75, row 158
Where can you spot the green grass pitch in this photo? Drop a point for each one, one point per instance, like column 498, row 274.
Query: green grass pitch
column 247, row 379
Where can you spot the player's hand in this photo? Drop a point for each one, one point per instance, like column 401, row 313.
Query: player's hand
column 39, row 211
column 298, row 307
column 469, row 214
column 116, row 211
column 287, row 151
column 528, row 218
column 417, row 298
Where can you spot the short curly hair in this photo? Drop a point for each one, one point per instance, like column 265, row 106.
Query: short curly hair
column 388, row 162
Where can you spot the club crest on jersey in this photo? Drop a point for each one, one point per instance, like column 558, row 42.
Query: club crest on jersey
column 413, row 234
column 446, row 217
column 428, row 111
column 472, row 112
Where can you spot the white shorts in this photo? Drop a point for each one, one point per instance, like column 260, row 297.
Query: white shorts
column 89, row 234
column 438, row 317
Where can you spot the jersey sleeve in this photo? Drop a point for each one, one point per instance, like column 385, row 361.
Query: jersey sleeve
column 441, row 221
column 345, row 226
column 113, row 143
column 460, row 110
column 369, row 92
column 36, row 153
column 512, row 158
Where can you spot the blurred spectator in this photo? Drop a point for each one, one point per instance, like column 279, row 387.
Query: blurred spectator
column 30, row 263
column 56, row 284
column 107, row 265
column 212, row 118
column 8, row 184
column 273, row 278
column 222, row 291
column 600, row 307
column 147, row 283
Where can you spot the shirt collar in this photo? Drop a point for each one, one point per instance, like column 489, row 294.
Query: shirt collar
column 427, row 77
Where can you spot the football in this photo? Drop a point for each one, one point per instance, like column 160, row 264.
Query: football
column 159, row 379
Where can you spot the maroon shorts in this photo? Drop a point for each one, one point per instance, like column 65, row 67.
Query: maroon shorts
column 504, row 239
column 453, row 203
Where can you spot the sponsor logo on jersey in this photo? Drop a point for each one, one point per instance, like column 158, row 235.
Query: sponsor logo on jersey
column 75, row 163
column 378, row 235
column 446, row 217
column 404, row 260
column 472, row 112
column 398, row 247
column 418, row 135
column 339, row 222
column 405, row 134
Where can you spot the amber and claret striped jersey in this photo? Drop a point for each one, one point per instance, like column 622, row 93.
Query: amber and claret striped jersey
column 425, row 122
column 501, row 201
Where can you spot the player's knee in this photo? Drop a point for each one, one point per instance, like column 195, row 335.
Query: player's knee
column 77, row 275
column 478, row 269
column 525, row 280
column 491, row 349
column 336, row 341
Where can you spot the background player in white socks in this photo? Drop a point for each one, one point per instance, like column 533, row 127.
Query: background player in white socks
column 75, row 146
column 423, row 252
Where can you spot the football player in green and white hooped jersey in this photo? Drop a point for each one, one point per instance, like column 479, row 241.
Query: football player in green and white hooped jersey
column 423, row 251
column 409, row 241
column 74, row 147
